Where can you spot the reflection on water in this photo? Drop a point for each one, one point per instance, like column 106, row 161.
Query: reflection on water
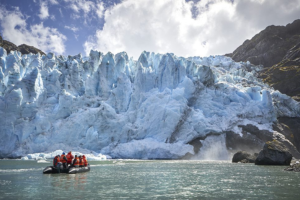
column 120, row 179
column 76, row 182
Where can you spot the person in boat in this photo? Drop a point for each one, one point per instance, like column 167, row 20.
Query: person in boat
column 76, row 161
column 81, row 163
column 85, row 163
column 63, row 160
column 57, row 163
column 69, row 158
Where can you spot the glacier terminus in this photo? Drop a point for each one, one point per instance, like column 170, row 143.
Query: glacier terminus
column 158, row 107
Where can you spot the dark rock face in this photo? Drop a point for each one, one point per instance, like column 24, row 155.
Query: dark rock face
column 285, row 76
column 247, row 142
column 8, row 46
column 287, row 144
column 277, row 48
column 274, row 153
column 263, row 135
column 243, row 157
column 286, row 131
column 23, row 48
column 268, row 47
column 196, row 143
column 290, row 128
column 252, row 139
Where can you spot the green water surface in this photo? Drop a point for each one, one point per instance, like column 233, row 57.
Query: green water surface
column 134, row 179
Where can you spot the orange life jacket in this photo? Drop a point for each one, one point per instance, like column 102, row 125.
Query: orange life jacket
column 55, row 161
column 76, row 163
column 62, row 158
column 81, row 162
column 85, row 161
column 69, row 157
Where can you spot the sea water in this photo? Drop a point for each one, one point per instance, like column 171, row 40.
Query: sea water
column 138, row 179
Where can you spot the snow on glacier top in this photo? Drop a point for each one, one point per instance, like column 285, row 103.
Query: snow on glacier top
column 111, row 104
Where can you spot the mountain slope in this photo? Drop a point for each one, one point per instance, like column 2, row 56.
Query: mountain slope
column 23, row 48
column 277, row 49
column 285, row 76
column 268, row 47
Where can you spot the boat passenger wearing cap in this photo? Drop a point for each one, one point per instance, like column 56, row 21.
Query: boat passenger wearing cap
column 63, row 160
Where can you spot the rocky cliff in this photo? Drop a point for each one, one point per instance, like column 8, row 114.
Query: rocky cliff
column 23, row 48
column 270, row 46
column 285, row 76
column 277, row 48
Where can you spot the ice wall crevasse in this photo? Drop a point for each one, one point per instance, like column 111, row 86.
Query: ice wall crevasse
column 149, row 108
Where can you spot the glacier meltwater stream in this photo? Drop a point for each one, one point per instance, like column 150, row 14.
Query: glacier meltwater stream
column 137, row 179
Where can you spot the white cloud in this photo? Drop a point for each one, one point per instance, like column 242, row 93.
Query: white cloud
column 169, row 25
column 52, row 17
column 44, row 13
column 61, row 13
column 75, row 16
column 99, row 9
column 72, row 28
column 74, row 7
column 16, row 30
column 87, row 7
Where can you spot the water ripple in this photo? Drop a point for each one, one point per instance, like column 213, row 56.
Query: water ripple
column 129, row 179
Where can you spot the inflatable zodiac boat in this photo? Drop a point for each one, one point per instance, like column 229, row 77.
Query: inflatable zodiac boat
column 70, row 170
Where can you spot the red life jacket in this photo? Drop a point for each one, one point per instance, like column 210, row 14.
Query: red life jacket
column 62, row 158
column 85, row 161
column 69, row 158
column 76, row 163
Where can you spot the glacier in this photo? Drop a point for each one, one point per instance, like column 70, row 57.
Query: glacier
column 152, row 108
column 43, row 157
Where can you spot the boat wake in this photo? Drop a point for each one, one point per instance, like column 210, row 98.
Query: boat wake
column 42, row 161
column 19, row 170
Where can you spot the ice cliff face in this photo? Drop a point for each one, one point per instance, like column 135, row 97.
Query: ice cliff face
column 150, row 108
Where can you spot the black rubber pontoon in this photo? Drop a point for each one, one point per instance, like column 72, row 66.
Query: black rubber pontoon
column 70, row 170
column 75, row 170
column 54, row 170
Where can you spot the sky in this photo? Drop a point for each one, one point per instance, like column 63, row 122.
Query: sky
column 183, row 27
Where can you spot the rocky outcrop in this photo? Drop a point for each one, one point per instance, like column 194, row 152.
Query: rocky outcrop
column 274, row 153
column 294, row 167
column 251, row 139
column 269, row 47
column 244, row 157
column 290, row 128
column 285, row 75
column 287, row 143
column 23, row 48
column 277, row 48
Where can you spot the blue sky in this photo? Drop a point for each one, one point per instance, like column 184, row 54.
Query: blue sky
column 183, row 27
column 75, row 23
